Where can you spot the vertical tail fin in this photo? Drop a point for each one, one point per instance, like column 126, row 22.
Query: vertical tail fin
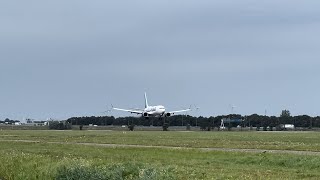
column 145, row 100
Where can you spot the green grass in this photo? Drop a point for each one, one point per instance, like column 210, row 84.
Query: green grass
column 304, row 141
column 22, row 160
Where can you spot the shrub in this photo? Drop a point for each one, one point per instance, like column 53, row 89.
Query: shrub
column 79, row 172
column 129, row 171
column 165, row 127
column 264, row 128
column 59, row 125
column 131, row 127
column 188, row 127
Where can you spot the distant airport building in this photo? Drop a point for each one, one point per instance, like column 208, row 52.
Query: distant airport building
column 17, row 123
column 31, row 122
column 287, row 126
column 228, row 121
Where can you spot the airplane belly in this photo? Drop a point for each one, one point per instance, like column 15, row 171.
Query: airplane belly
column 155, row 113
column 159, row 113
column 151, row 113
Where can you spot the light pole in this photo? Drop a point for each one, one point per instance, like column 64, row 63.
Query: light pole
column 232, row 108
column 182, row 120
column 197, row 108
column 106, row 113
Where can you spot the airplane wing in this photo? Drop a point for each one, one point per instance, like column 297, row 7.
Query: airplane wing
column 180, row 111
column 129, row 110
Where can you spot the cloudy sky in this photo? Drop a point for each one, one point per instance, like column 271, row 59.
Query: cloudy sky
column 74, row 58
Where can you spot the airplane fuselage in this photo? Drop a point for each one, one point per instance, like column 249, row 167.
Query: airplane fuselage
column 154, row 111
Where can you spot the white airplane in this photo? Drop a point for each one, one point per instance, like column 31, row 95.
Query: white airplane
column 152, row 111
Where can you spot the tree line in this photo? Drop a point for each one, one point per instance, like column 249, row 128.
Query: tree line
column 231, row 120
column 8, row 121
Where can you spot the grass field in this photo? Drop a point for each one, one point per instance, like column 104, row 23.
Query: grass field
column 46, row 160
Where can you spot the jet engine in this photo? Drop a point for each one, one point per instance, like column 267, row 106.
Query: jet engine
column 146, row 115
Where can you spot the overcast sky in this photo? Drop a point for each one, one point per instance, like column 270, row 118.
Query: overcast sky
column 74, row 58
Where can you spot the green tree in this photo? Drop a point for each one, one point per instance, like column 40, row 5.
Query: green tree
column 285, row 113
column 285, row 117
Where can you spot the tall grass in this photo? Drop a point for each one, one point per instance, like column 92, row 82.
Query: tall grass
column 20, row 166
column 126, row 171
column 66, row 161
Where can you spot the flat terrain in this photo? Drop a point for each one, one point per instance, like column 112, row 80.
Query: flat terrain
column 174, row 155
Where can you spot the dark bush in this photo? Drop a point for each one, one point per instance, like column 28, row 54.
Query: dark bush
column 165, row 127
column 59, row 125
column 131, row 127
column 188, row 127
column 130, row 171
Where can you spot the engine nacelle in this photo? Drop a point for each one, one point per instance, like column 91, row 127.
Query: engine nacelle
column 168, row 114
column 146, row 115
